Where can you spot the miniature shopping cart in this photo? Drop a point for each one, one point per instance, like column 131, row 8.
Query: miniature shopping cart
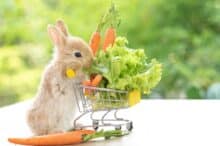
column 93, row 100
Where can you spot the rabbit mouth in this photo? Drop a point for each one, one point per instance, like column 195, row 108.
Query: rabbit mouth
column 75, row 65
column 87, row 65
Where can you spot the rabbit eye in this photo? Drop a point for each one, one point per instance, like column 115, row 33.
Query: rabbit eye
column 77, row 54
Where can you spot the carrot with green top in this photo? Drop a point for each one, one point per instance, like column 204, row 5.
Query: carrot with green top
column 114, row 21
column 111, row 17
column 72, row 137
column 95, row 41
column 110, row 36
column 96, row 36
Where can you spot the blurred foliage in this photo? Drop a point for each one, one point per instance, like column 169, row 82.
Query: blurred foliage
column 213, row 91
column 183, row 34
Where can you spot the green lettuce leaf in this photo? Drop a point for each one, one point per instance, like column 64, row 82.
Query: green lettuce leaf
column 126, row 69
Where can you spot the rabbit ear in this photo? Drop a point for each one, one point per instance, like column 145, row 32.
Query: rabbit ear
column 63, row 28
column 56, row 36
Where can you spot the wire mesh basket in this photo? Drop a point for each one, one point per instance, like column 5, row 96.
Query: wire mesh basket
column 91, row 100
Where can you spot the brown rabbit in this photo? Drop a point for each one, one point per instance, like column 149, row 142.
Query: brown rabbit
column 54, row 107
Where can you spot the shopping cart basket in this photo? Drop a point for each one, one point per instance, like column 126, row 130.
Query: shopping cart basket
column 91, row 100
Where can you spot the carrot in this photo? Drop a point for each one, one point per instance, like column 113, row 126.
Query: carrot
column 92, row 76
column 95, row 41
column 96, row 81
column 110, row 36
column 87, row 83
column 72, row 137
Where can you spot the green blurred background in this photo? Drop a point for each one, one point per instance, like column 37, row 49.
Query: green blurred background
column 183, row 34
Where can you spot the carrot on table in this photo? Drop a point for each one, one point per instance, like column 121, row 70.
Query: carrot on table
column 97, row 79
column 110, row 36
column 72, row 137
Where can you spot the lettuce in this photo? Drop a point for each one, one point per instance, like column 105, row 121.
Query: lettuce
column 126, row 69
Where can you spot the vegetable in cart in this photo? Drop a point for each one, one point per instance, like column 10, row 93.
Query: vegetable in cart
column 126, row 69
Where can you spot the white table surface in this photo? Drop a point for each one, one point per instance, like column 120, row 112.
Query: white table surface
column 156, row 123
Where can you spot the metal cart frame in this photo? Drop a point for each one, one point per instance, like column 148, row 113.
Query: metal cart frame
column 100, row 100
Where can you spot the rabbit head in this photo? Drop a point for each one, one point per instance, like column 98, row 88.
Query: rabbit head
column 70, row 50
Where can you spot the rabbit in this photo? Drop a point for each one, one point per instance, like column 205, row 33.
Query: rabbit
column 54, row 107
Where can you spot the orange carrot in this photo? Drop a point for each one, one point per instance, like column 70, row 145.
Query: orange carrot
column 72, row 137
column 110, row 36
column 92, row 76
column 95, row 41
column 96, row 81
column 87, row 83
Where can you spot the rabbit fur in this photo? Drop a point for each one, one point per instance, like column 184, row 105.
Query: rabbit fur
column 54, row 107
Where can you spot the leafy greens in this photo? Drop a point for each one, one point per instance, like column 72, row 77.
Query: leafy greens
column 126, row 69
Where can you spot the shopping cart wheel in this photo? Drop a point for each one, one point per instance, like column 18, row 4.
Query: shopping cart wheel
column 118, row 127
column 95, row 127
column 129, row 126
column 95, row 124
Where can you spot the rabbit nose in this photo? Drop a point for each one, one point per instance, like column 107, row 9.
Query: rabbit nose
column 88, row 64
